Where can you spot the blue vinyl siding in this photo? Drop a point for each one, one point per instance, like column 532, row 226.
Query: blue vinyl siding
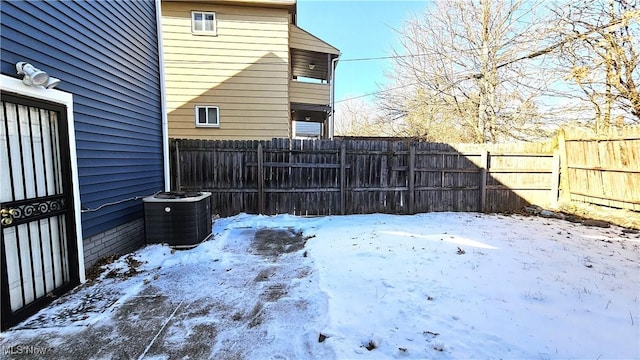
column 106, row 54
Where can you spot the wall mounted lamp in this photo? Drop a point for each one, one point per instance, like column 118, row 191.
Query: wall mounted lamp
column 34, row 76
column 312, row 66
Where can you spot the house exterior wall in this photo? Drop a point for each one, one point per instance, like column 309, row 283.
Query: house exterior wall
column 106, row 54
column 244, row 70
column 121, row 239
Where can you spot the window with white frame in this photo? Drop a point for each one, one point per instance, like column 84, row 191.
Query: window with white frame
column 307, row 130
column 203, row 23
column 207, row 116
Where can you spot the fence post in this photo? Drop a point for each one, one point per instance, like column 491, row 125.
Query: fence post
column 484, row 167
column 555, row 179
column 343, row 178
column 260, row 180
column 178, row 184
column 412, row 167
column 565, row 185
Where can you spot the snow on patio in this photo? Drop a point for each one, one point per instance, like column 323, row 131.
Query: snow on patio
column 438, row 286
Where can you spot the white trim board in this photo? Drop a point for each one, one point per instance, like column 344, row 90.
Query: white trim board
column 16, row 86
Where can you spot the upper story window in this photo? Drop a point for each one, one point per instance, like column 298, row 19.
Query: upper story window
column 203, row 23
column 207, row 116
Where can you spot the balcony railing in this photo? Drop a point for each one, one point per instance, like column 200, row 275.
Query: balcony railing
column 309, row 93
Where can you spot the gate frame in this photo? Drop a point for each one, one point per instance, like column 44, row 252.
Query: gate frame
column 15, row 86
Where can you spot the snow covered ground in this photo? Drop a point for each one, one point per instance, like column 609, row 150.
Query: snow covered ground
column 437, row 286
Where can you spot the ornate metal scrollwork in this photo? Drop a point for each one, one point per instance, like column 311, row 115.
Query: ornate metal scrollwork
column 24, row 211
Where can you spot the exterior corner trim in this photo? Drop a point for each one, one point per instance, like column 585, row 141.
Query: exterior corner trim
column 163, row 99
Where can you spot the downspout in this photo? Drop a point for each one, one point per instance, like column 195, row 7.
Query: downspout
column 332, row 96
column 163, row 99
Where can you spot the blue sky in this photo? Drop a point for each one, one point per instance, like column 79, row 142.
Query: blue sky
column 360, row 29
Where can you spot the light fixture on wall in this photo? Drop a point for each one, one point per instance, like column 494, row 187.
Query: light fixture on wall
column 307, row 118
column 312, row 66
column 34, row 76
column 53, row 82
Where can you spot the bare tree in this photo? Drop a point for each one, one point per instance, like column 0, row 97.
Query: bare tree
column 357, row 117
column 602, row 59
column 456, row 71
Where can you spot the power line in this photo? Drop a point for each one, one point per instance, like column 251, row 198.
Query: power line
column 433, row 53
column 284, row 63
column 385, row 57
column 376, row 92
column 448, row 87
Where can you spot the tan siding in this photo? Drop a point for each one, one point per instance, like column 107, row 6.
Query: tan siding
column 267, row 97
column 244, row 49
column 309, row 93
column 235, row 114
column 173, row 9
column 237, row 81
column 300, row 39
column 233, row 106
column 230, row 28
column 245, row 134
column 178, row 88
column 244, row 70
column 205, row 79
column 248, row 123
column 186, row 122
column 262, row 3
column 230, row 76
column 234, row 96
column 230, row 128
column 202, row 70
column 266, row 62
column 223, row 41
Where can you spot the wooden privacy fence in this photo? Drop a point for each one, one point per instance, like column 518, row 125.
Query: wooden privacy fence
column 324, row 177
column 601, row 169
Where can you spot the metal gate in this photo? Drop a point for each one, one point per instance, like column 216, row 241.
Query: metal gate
column 39, row 252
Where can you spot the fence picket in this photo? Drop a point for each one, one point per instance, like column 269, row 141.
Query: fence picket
column 321, row 177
